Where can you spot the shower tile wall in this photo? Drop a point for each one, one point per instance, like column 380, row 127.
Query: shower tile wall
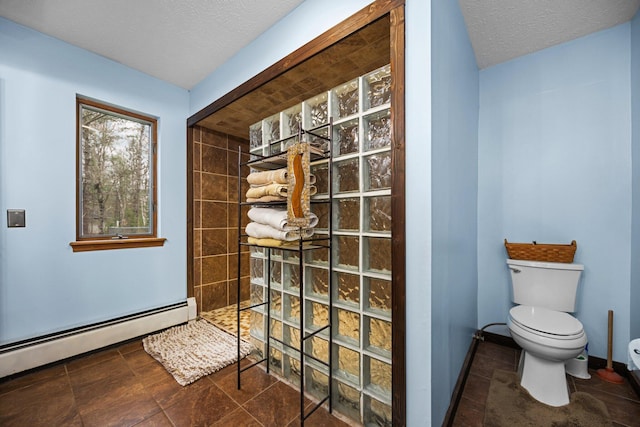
column 361, row 248
column 215, row 220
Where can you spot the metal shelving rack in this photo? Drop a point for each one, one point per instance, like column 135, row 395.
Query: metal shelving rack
column 277, row 161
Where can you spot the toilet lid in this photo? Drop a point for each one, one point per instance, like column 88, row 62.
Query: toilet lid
column 545, row 320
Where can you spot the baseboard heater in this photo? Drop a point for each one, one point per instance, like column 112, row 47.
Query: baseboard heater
column 29, row 354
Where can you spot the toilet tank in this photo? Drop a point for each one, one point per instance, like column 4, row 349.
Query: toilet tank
column 550, row 285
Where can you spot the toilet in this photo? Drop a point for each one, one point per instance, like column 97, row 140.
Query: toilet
column 540, row 323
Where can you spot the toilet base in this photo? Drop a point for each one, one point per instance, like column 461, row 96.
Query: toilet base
column 545, row 380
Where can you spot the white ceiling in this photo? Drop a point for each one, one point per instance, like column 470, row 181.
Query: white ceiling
column 501, row 30
column 183, row 41
column 179, row 41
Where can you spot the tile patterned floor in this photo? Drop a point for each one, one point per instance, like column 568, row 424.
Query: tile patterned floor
column 226, row 319
column 622, row 402
column 124, row 386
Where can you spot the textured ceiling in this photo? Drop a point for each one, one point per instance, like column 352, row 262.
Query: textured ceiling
column 183, row 41
column 501, row 30
column 178, row 41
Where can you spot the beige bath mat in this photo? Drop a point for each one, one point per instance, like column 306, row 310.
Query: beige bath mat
column 191, row 351
column 508, row 404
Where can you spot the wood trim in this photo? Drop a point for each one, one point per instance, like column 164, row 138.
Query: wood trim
column 398, row 251
column 78, row 177
column 462, row 380
column 498, row 339
column 190, row 202
column 154, row 172
column 594, row 363
column 153, row 122
column 634, row 381
column 352, row 24
column 101, row 245
column 360, row 19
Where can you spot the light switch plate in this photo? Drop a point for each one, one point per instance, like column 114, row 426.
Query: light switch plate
column 15, row 218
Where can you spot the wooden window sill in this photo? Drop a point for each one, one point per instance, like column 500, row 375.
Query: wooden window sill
column 101, row 245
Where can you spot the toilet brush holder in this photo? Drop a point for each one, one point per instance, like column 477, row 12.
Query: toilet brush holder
column 578, row 367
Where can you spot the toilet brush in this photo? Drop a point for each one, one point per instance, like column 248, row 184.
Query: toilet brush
column 608, row 374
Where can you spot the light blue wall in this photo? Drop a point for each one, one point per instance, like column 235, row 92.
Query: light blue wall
column 635, row 161
column 555, row 165
column 454, row 171
column 418, row 212
column 44, row 286
column 305, row 23
column 418, row 203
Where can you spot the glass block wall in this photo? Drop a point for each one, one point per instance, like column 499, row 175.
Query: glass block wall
column 361, row 248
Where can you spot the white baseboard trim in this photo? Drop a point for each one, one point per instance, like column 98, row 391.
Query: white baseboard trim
column 72, row 344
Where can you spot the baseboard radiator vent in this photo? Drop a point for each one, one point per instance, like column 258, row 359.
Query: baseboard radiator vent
column 29, row 354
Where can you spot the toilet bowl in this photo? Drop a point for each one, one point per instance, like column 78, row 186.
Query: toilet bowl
column 548, row 339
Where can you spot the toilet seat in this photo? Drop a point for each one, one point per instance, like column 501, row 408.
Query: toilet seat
column 546, row 323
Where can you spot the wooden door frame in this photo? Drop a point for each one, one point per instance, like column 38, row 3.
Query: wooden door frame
column 362, row 18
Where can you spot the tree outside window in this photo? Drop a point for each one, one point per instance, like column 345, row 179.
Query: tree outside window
column 116, row 165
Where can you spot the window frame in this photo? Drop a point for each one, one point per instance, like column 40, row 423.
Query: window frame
column 93, row 243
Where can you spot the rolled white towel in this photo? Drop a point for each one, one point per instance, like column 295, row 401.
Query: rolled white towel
column 277, row 218
column 263, row 231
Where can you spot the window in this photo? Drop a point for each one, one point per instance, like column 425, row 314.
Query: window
column 116, row 178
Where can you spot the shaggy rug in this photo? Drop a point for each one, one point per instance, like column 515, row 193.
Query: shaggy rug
column 194, row 350
column 508, row 404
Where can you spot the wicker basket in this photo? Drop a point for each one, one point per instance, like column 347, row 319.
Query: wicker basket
column 541, row 251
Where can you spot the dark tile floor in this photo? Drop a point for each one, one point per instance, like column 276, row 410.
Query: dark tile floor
column 124, row 386
column 622, row 402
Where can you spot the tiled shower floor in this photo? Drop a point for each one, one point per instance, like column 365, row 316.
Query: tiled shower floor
column 226, row 319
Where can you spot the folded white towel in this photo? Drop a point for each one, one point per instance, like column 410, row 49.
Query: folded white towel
column 263, row 231
column 278, row 176
column 265, row 199
column 277, row 218
column 267, row 190
column 278, row 190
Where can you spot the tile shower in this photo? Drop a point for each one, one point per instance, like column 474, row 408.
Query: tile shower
column 362, row 252
column 215, row 220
